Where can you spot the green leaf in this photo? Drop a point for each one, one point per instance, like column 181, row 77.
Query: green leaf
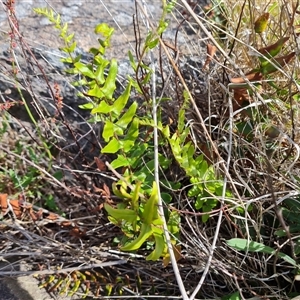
column 67, row 60
column 128, row 215
column 127, row 145
column 131, row 135
column 120, row 161
column 127, row 116
column 272, row 50
column 132, row 62
column 167, row 198
column 166, row 131
column 277, row 63
column 72, row 47
column 104, row 29
column 103, row 108
column 110, row 82
column 112, row 147
column 136, row 196
column 120, row 103
column 148, row 38
column 160, row 245
column 245, row 245
column 77, row 58
column 86, row 106
column 96, row 91
column 116, row 191
column 85, row 70
column 99, row 74
column 235, row 296
column 145, row 233
column 174, row 222
column 69, row 38
column 108, row 130
column 150, row 210
column 293, row 228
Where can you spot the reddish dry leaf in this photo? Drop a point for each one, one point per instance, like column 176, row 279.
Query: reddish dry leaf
column 15, row 205
column 33, row 215
column 16, row 208
column 98, row 208
column 76, row 232
column 100, row 164
column 52, row 217
column 39, row 214
column 106, row 189
column 251, row 77
column 3, row 202
column 211, row 51
column 240, row 95
column 66, row 224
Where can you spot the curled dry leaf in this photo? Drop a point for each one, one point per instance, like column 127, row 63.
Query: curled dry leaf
column 100, row 164
column 39, row 214
column 3, row 203
column 52, row 217
column 257, row 76
column 240, row 96
column 106, row 189
column 15, row 204
column 77, row 232
column 210, row 53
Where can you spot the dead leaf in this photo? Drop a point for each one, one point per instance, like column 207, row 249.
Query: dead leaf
column 76, row 232
column 211, row 51
column 106, row 189
column 240, row 96
column 178, row 255
column 52, row 217
column 39, row 214
column 3, row 203
column 15, row 204
column 256, row 76
column 100, row 164
column 33, row 215
column 66, row 223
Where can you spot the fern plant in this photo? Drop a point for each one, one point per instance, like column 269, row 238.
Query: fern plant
column 121, row 133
